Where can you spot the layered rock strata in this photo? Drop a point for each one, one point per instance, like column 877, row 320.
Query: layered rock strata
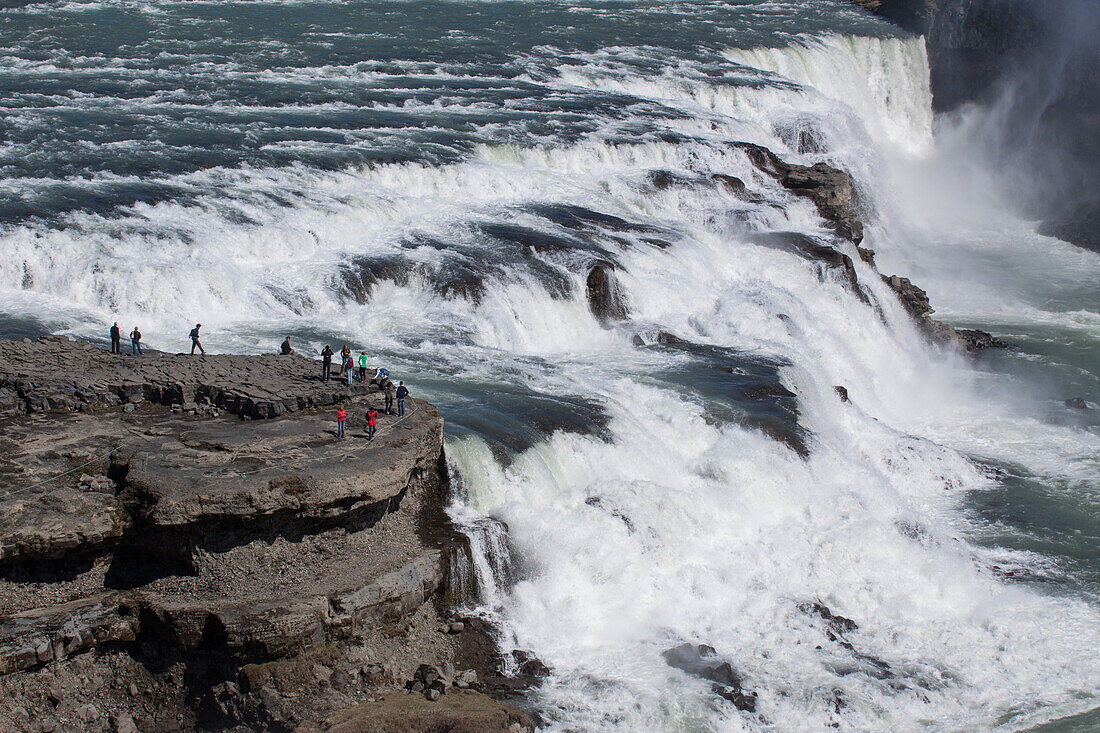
column 165, row 564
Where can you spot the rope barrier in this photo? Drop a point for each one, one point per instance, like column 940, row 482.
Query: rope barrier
column 246, row 474
column 378, row 431
column 66, row 473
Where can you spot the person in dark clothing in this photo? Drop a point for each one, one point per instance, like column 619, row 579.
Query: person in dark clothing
column 402, row 393
column 195, row 340
column 345, row 359
column 326, row 363
column 390, row 391
column 116, row 339
column 135, row 341
column 286, row 349
column 372, row 422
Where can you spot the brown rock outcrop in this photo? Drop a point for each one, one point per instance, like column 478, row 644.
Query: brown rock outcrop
column 831, row 190
column 182, row 546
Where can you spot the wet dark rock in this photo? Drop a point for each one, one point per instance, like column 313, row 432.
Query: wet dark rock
column 460, row 282
column 359, row 276
column 914, row 299
column 529, row 664
column 831, row 190
column 663, row 180
column 733, row 184
column 1076, row 403
column 973, row 339
column 813, row 250
column 835, row 622
column 600, row 503
column 842, row 392
column 915, row 302
column 701, row 660
column 605, row 299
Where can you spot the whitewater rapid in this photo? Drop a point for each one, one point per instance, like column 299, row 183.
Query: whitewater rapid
column 623, row 492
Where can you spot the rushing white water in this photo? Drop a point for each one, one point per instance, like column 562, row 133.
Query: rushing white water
column 621, row 498
column 677, row 529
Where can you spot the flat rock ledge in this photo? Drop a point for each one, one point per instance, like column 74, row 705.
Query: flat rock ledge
column 155, row 555
column 56, row 374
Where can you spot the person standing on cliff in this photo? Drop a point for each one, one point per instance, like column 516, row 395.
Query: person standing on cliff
column 363, row 366
column 372, row 422
column 116, row 339
column 350, row 368
column 402, row 393
column 195, row 340
column 345, row 359
column 391, row 391
column 341, row 418
column 326, row 363
column 135, row 341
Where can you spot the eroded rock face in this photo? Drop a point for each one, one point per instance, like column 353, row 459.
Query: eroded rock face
column 915, row 302
column 831, row 189
column 913, row 298
column 185, row 548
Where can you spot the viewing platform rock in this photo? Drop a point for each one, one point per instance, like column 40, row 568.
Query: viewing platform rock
column 185, row 543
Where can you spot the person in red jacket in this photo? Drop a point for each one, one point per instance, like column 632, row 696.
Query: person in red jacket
column 372, row 422
column 341, row 418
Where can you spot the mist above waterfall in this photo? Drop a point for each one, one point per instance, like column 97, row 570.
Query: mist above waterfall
column 1036, row 126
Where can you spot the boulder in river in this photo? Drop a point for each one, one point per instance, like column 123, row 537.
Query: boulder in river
column 605, row 300
column 701, row 660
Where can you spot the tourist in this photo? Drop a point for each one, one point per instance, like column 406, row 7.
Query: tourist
column 341, row 418
column 135, row 341
column 390, row 391
column 116, row 339
column 363, row 366
column 326, row 363
column 402, row 393
column 195, row 340
column 372, row 422
column 345, row 358
column 286, row 349
column 350, row 368
column 381, row 377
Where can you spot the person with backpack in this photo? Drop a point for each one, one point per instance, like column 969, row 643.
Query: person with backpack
column 135, row 341
column 341, row 419
column 116, row 339
column 349, row 366
column 326, row 363
column 402, row 393
column 372, row 422
column 195, row 340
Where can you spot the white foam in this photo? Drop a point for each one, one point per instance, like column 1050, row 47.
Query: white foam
column 703, row 531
